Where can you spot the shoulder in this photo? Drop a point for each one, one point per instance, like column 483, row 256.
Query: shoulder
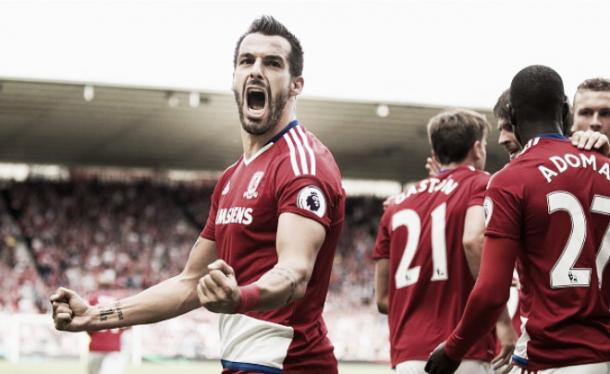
column 224, row 177
column 479, row 177
column 302, row 154
column 509, row 174
column 231, row 168
column 226, row 174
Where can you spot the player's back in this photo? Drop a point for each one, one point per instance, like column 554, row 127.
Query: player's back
column 430, row 280
column 555, row 199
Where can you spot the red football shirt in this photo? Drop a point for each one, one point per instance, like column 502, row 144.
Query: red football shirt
column 429, row 276
column 555, row 200
column 104, row 340
column 293, row 173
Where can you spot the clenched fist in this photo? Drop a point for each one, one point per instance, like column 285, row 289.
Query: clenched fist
column 70, row 311
column 218, row 291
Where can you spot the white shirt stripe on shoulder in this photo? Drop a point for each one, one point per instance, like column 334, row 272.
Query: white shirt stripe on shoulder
column 312, row 156
column 293, row 156
column 301, row 150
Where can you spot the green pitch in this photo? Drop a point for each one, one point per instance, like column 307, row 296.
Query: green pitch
column 30, row 366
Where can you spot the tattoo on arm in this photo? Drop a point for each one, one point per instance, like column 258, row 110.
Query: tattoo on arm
column 105, row 313
column 119, row 311
column 290, row 277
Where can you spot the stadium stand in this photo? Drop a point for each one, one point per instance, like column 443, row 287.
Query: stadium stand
column 66, row 233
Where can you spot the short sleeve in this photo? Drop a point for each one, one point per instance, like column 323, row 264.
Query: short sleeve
column 382, row 243
column 208, row 231
column 503, row 213
column 307, row 196
column 479, row 186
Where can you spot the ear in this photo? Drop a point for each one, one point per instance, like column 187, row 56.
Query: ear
column 477, row 148
column 296, row 86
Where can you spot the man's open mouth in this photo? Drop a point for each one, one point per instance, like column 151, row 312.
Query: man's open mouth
column 256, row 100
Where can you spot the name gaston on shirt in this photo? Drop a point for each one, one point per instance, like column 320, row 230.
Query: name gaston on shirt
column 562, row 163
column 432, row 185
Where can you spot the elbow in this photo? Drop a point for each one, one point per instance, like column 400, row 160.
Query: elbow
column 473, row 245
column 382, row 306
column 383, row 300
column 298, row 293
column 186, row 285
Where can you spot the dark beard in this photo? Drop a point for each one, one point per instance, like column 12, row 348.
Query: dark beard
column 275, row 112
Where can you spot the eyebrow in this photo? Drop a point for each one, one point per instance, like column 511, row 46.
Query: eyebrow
column 274, row 57
column 267, row 57
column 242, row 55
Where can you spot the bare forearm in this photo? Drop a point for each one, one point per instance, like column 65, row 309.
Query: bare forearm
column 383, row 305
column 504, row 318
column 280, row 286
column 168, row 299
column 382, row 285
column 297, row 243
column 472, row 251
column 473, row 238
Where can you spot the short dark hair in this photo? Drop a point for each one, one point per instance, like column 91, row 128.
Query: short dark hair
column 452, row 133
column 594, row 84
column 267, row 25
column 501, row 109
column 536, row 93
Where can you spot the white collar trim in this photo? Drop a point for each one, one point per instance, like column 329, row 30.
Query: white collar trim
column 258, row 153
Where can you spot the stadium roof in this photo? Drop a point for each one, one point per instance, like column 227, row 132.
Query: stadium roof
column 53, row 123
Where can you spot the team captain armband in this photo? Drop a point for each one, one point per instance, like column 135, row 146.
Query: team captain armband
column 249, row 296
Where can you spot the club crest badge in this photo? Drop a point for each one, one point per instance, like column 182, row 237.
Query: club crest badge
column 251, row 192
column 312, row 199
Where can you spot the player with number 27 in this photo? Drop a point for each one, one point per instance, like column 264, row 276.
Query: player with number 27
column 548, row 210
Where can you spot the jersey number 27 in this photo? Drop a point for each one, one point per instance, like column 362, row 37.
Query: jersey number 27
column 563, row 273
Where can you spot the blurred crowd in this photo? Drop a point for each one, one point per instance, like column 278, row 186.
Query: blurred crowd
column 70, row 232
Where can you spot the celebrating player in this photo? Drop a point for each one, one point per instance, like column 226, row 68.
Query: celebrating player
column 264, row 258
column 592, row 106
column 549, row 209
column 586, row 130
column 428, row 249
